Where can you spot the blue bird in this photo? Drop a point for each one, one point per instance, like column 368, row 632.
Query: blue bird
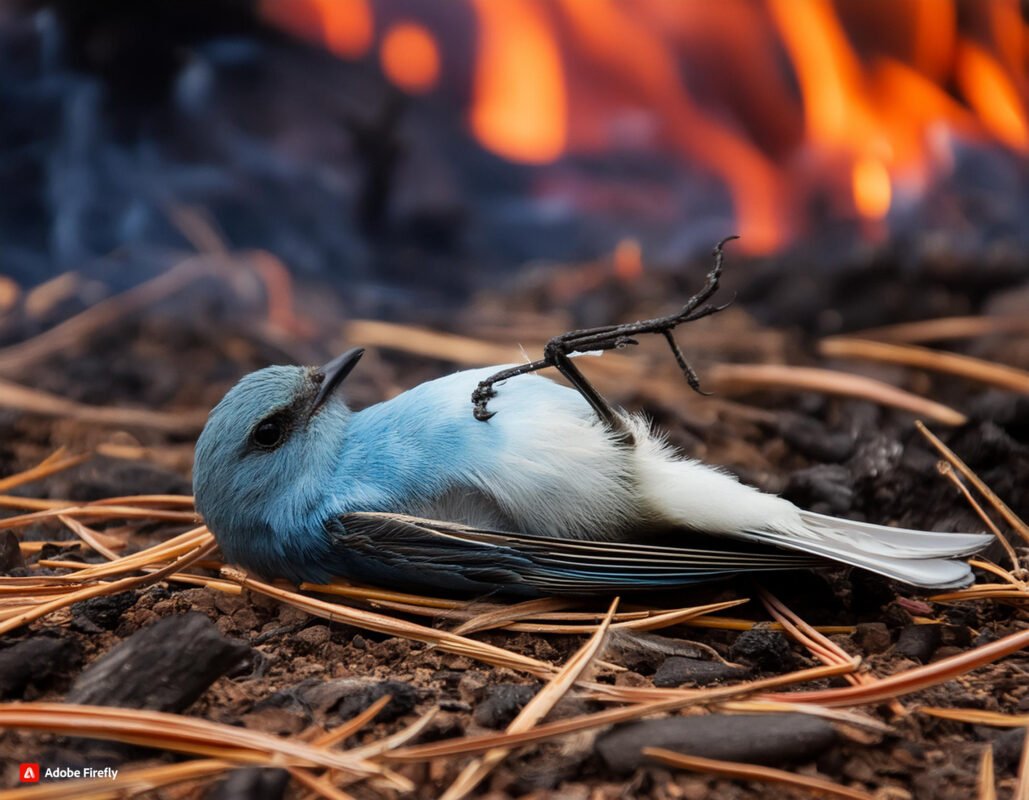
column 542, row 489
column 544, row 497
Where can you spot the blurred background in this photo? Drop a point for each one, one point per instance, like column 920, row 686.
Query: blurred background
column 192, row 189
column 408, row 152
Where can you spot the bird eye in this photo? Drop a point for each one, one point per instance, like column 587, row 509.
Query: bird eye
column 268, row 434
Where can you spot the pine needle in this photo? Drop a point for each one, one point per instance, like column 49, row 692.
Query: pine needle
column 987, row 781
column 731, row 769
column 50, row 465
column 736, row 378
column 976, row 369
column 535, row 710
column 668, row 700
column 823, row 648
column 947, row 471
column 913, row 680
column 130, row 781
column 1009, row 516
column 177, row 733
column 976, row 716
column 391, row 626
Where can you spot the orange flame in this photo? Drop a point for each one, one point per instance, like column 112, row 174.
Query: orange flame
column 628, row 259
column 839, row 115
column 884, row 90
column 410, row 57
column 871, row 187
column 934, row 28
column 993, row 95
column 634, row 58
column 519, row 107
column 344, row 26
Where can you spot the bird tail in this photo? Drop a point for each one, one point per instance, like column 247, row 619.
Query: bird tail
column 698, row 497
column 920, row 558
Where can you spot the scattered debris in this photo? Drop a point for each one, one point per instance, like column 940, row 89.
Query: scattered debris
column 752, row 738
column 166, row 666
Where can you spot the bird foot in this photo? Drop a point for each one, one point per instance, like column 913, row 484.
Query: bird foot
column 558, row 350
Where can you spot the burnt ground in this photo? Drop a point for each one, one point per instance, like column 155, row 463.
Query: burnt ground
column 280, row 670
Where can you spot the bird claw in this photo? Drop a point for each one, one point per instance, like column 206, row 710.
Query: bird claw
column 612, row 337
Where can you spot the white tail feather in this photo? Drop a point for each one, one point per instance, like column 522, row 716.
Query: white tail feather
column 921, row 558
column 895, row 542
column 696, row 496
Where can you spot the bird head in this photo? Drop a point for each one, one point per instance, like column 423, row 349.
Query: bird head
column 263, row 458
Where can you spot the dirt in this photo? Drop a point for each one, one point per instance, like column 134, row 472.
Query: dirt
column 842, row 457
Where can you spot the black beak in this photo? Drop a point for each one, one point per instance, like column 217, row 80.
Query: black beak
column 332, row 374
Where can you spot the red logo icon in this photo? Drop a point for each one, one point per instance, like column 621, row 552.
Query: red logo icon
column 28, row 773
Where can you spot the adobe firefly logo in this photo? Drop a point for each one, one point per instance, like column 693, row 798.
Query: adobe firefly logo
column 28, row 773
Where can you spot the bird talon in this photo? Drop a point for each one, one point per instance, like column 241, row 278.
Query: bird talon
column 483, row 393
column 557, row 352
column 483, row 415
column 553, row 350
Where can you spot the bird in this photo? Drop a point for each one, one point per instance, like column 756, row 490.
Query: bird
column 542, row 489
column 542, row 498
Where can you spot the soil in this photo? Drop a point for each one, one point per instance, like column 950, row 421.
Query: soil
column 284, row 671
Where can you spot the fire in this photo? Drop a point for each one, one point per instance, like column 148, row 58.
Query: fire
column 410, row 57
column 990, row 92
column 344, row 26
column 872, row 188
column 627, row 259
column 789, row 104
column 630, row 55
column 519, row 109
column 842, row 121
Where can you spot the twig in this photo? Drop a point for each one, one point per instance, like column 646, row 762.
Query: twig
column 397, row 739
column 100, row 512
column 977, row 716
column 319, row 786
column 70, row 333
column 502, row 616
column 175, row 732
column 17, row 620
column 89, row 536
column 352, row 726
column 394, row 627
column 984, row 591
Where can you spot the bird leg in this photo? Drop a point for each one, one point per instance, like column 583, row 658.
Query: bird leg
column 558, row 350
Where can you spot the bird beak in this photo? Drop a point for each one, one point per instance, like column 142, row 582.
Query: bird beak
column 333, row 374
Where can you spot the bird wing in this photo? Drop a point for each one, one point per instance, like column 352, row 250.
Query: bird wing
column 394, row 548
